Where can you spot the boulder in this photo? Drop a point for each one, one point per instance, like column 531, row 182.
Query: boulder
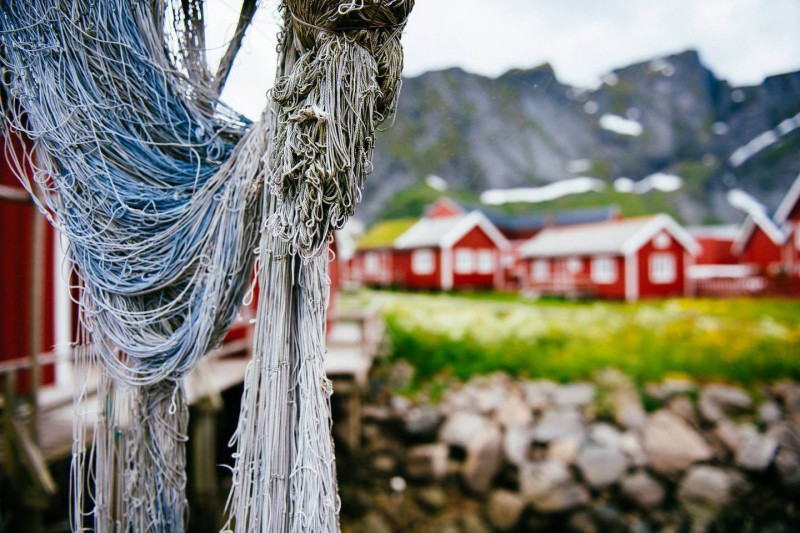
column 643, row 490
column 472, row 523
column 684, row 408
column 756, row 452
column 564, row 449
column 604, row 434
column 514, row 413
column 669, row 387
column 601, row 466
column 671, row 444
column 422, row 421
column 789, row 393
column 504, row 509
column 631, row 446
column 717, row 401
column 538, row 393
column 626, row 405
column 769, row 413
column 462, row 427
column 517, row 445
column 574, row 395
column 557, row 423
column 484, row 458
column 432, row 499
column 787, row 463
column 550, row 488
column 705, row 491
column 428, row 462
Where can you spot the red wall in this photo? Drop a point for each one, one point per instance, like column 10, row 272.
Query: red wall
column 476, row 239
column 561, row 279
column 16, row 236
column 648, row 289
column 715, row 251
column 380, row 278
column 761, row 252
column 403, row 276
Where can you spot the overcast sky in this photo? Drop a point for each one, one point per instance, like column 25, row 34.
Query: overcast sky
column 740, row 40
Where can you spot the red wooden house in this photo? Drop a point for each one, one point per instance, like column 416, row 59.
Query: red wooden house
column 788, row 217
column 643, row 257
column 760, row 245
column 35, row 306
column 716, row 270
column 448, row 249
column 372, row 264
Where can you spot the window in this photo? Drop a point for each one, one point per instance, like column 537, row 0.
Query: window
column 604, row 270
column 574, row 265
column 485, row 262
column 662, row 268
column 422, row 262
column 372, row 263
column 541, row 270
column 464, row 261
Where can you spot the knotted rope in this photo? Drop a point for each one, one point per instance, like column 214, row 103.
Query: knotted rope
column 157, row 187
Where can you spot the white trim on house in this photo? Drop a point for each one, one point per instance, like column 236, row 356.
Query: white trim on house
column 470, row 221
column 631, row 277
column 447, row 268
column 662, row 268
column 788, row 202
column 766, row 224
column 654, row 227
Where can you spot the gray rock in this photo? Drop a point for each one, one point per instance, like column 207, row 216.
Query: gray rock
column 574, row 395
column 432, row 499
column 728, row 434
column 789, row 392
column 628, row 409
column 704, row 491
column 462, row 427
column 631, row 446
column 374, row 523
column 684, row 408
column 669, row 387
column 769, row 413
column 600, row 466
column 671, row 444
column 626, row 404
column 422, row 421
column 756, row 452
column 472, row 523
column 787, row 463
column 582, row 522
column 643, row 490
column 517, row 444
column 550, row 488
column 604, row 434
column 564, row 449
column 428, row 462
column 484, row 458
column 514, row 413
column 557, row 423
column 488, row 400
column 504, row 509
column 538, row 393
column 717, row 401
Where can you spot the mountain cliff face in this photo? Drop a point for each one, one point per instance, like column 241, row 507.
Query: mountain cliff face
column 526, row 128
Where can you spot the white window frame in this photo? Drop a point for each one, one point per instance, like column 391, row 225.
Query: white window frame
column 540, row 270
column 422, row 261
column 574, row 265
column 662, row 268
column 604, row 270
column 485, row 261
column 372, row 263
column 464, row 261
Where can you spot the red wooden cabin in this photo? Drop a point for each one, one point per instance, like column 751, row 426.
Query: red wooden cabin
column 643, row 257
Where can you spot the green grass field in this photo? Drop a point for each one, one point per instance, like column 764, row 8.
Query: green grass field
column 742, row 340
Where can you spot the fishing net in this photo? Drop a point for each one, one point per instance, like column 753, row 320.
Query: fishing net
column 169, row 199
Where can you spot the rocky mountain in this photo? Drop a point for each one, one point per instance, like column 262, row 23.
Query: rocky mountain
column 526, row 128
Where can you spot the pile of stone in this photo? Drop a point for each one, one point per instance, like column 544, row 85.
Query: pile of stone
column 503, row 454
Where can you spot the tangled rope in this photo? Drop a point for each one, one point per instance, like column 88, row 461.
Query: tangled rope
column 157, row 186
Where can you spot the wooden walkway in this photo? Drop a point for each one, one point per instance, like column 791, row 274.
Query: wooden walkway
column 352, row 345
